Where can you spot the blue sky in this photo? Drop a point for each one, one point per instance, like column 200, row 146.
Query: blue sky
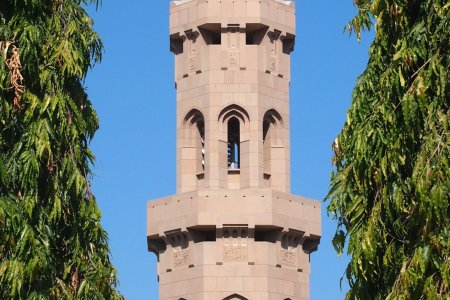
column 133, row 92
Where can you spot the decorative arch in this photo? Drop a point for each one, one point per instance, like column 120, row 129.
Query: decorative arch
column 273, row 117
column 233, row 110
column 193, row 143
column 272, row 136
column 235, row 122
column 193, row 116
column 235, row 297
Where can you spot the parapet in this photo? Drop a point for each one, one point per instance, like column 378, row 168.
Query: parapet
column 276, row 14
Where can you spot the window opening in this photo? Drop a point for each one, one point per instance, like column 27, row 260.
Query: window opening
column 267, row 146
column 266, row 126
column 201, row 131
column 233, row 143
column 272, row 122
column 195, row 139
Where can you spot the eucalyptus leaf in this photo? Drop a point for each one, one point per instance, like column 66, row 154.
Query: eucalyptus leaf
column 52, row 245
column 390, row 186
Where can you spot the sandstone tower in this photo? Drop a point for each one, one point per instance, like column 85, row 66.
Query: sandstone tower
column 233, row 230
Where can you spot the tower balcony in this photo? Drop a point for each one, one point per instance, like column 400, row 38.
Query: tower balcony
column 233, row 244
column 262, row 211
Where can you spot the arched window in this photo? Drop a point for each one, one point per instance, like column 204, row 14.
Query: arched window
column 191, row 151
column 201, row 144
column 195, row 137
column 236, row 122
column 272, row 125
column 267, row 144
column 234, row 139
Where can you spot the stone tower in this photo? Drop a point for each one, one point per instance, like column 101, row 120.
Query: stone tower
column 233, row 230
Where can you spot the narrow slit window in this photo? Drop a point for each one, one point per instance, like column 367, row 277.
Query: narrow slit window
column 194, row 143
column 266, row 146
column 201, row 132
column 233, row 143
column 272, row 123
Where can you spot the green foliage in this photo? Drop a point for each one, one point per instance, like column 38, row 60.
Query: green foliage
column 390, row 189
column 52, row 245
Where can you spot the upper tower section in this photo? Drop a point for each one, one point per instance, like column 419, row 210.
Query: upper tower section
column 232, row 74
column 229, row 26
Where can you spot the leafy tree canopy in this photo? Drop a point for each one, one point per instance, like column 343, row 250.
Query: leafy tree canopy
column 52, row 245
column 390, row 188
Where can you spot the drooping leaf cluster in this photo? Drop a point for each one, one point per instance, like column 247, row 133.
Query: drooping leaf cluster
column 52, row 245
column 390, row 188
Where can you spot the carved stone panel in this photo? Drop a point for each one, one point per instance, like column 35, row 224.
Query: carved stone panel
column 272, row 55
column 192, row 45
column 288, row 258
column 192, row 67
column 235, row 254
column 233, row 58
column 272, row 63
column 235, row 245
column 180, row 258
column 180, row 247
column 233, row 51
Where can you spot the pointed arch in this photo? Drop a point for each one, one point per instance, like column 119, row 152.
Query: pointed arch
column 235, row 297
column 193, row 116
column 235, row 123
column 272, row 117
column 192, row 141
column 272, row 133
column 195, row 136
column 234, row 110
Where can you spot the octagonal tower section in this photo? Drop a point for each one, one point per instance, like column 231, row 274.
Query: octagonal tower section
column 233, row 231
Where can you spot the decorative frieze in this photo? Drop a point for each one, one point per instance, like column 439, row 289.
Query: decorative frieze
column 235, row 245
column 290, row 242
column 180, row 246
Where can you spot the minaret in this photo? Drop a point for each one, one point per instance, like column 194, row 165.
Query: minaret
column 233, row 230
